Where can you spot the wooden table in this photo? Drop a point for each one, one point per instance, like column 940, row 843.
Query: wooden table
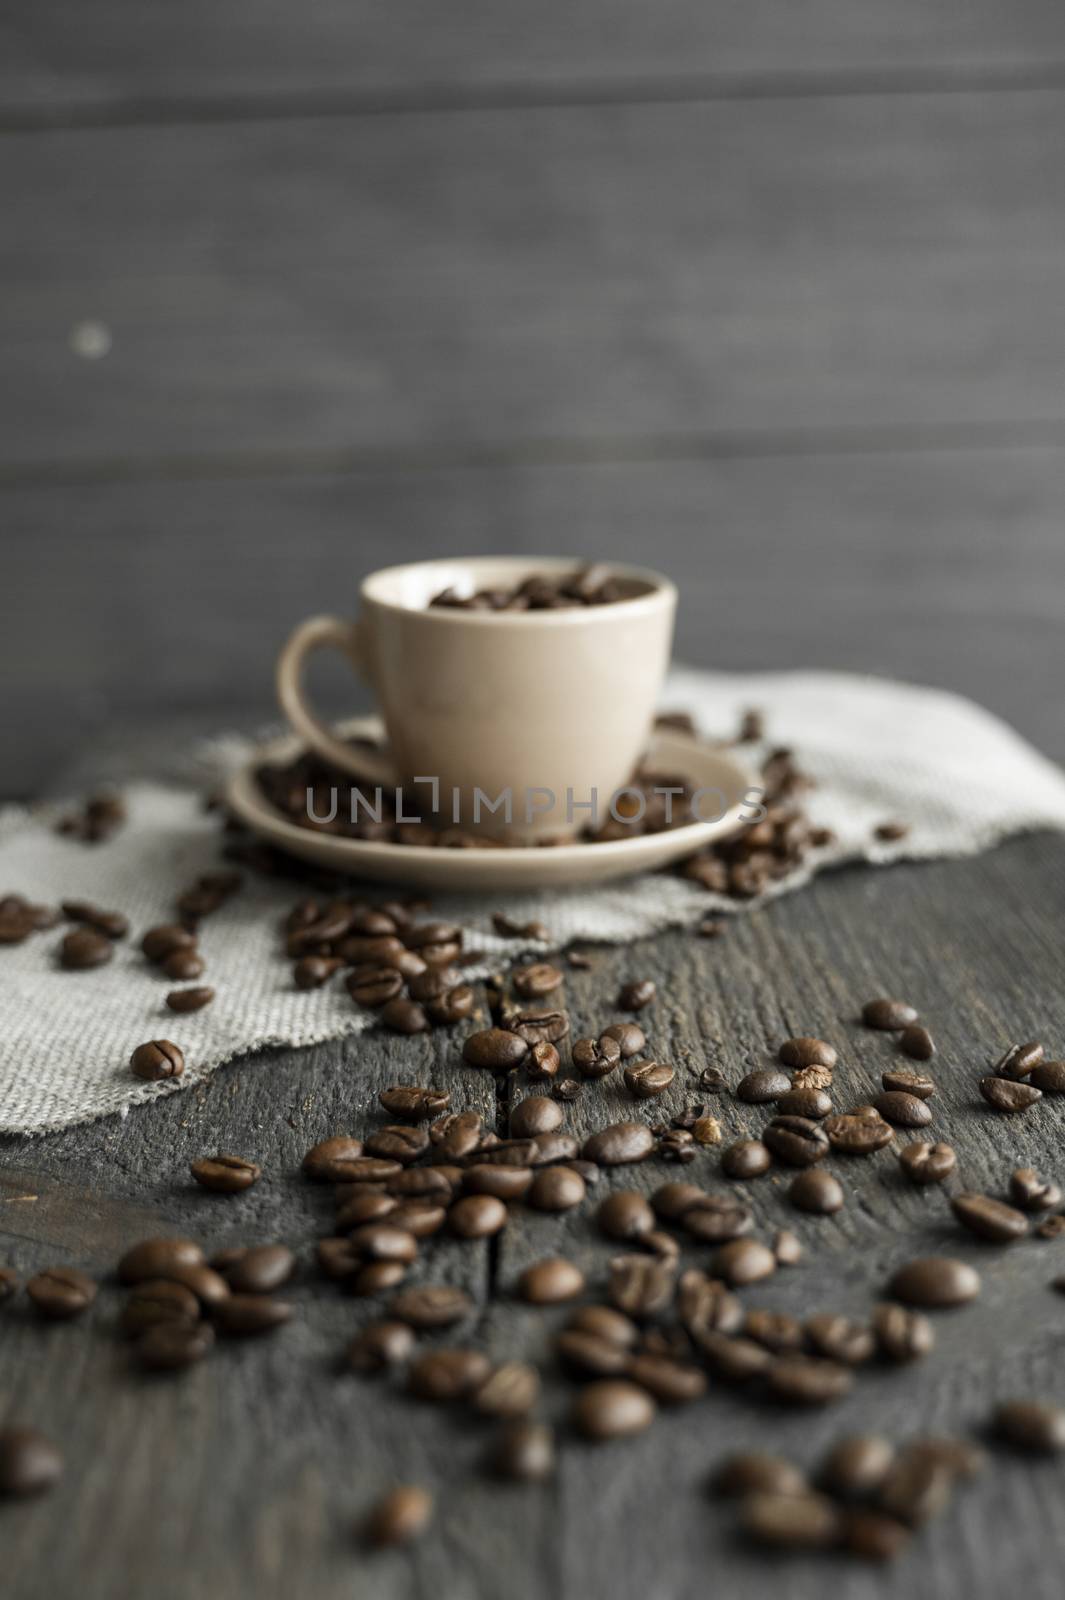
column 245, row 1476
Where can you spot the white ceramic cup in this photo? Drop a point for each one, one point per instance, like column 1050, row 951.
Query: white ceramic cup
column 552, row 707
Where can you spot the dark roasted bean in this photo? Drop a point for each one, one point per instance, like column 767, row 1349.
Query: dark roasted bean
column 449, row 1374
column 550, row 1282
column 556, row 1189
column 156, row 1060
column 535, row 1114
column 510, row 1390
column 747, row 1158
column 1034, row 1426
column 412, row 1103
column 432, row 1306
column 641, row 1285
column 456, row 1135
column 814, row 1104
column 806, row 1051
column 915, row 1488
column 787, row 1248
column 496, row 1049
column 368, row 986
column 157, row 1258
column 1048, row 1077
column 163, row 940
column 796, row 1140
column 808, row 1380
column 454, row 1006
column 716, row 1218
column 477, row 1216
column 155, row 1301
column 754, row 1472
column 225, row 1174
column 539, row 1026
column 590, row 1354
column 743, row 1261
column 857, row 1136
column 917, row 1043
column 628, row 1036
column 260, row 1269
column 800, row 1521
column 523, row 1451
column 542, row 1062
column 60, row 1293
column 905, row 1080
column 856, row 1466
column 380, row 1345
column 816, row 1192
column 187, row 1000
column 777, row 1330
column 403, row 1016
column 1031, row 1192
column 538, row 979
column 1019, row 1060
column 181, row 966
column 172, row 1345
column 901, row 1335
column 613, row 1409
column 927, row 1163
column 989, row 1218
column 733, row 1360
column 397, row 1142
column 331, row 1159
column 670, row 1382
column 635, row 996
column 889, row 1015
column 618, row 1144
column 647, row 1079
column 839, row 1339
column 506, row 1183
column 595, row 1058
column 1008, row 1094
column 902, row 1110
column 934, row 1283
column 759, row 1088
column 402, row 1515
column 244, row 1316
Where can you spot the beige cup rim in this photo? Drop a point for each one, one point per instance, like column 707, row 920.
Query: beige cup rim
column 660, row 591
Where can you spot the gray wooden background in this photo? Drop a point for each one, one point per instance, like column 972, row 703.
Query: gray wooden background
column 769, row 295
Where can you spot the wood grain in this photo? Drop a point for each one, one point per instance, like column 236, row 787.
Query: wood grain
column 250, row 1470
column 731, row 276
column 153, row 60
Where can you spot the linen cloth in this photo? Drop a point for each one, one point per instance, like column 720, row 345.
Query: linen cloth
column 878, row 751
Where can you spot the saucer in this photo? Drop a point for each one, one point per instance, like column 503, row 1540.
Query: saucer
column 527, row 867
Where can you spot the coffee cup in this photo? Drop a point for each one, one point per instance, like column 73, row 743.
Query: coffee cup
column 518, row 724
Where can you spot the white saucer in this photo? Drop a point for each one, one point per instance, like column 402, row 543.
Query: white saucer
column 481, row 871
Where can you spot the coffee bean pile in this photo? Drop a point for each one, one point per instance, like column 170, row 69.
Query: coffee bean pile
column 541, row 591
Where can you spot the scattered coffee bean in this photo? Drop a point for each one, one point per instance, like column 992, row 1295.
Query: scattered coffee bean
column 535, row 1114
column 755, row 1472
column 1048, row 1077
column 398, row 1142
column 496, row 1049
column 447, row 1375
column 715, row 1219
column 901, row 1335
column 510, row 1390
column 244, row 1316
column 542, row 1062
column 158, row 1258
column 403, row 1016
column 29, row 1462
column 746, row 1158
column 839, row 1339
column 816, row 1192
column 330, row 1161
column 647, row 1079
column 260, row 1269
column 539, row 1027
column 590, row 1355
column 111, row 923
column 1019, row 1059
column 891, row 1016
column 927, row 1163
column 155, row 1301
column 759, row 1088
column 787, row 1248
column 642, row 1286
column 808, row 1380
column 84, row 948
column 477, row 1216
column 226, row 1174
column 856, row 1466
column 595, row 1058
column 380, row 1345
column 401, row 1516
column 905, row 1081
column 806, row 1051
column 1031, row 1192
column 915, row 1488
column 370, row 986
column 1008, row 1094
column 743, row 1261
column 187, row 1000
column 523, row 1451
column 672, row 1383
column 156, row 1060
column 934, row 1283
column 537, row 980
column 432, row 1306
column 801, row 1521
column 181, row 966
column 796, row 1140
column 163, row 940
column 1034, row 1426
column 556, row 1189
column 988, row 1218
column 60, row 1293
column 963, row 1459
column 506, row 1183
column 732, row 1359
column 635, row 996
column 412, row 1103
column 917, row 1043
column 619, row 1144
column 550, row 1282
column 855, row 1135
column 777, row 1330
column 169, row 1346
column 1051, row 1228
column 613, row 1409
column 628, row 1036
column 902, row 1110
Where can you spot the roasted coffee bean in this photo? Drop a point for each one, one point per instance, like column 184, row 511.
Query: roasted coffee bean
column 891, row 1016
column 917, row 1043
column 417, row 936
column 902, row 1110
column 759, row 1088
column 537, row 1027
column 506, row 1183
column 927, row 1163
column 595, row 1058
column 330, row 1160
column 603, row 1322
column 187, row 1000
column 156, row 1060
column 1048, row 1077
column 401, row 1516
column 260, row 1269
column 963, row 1459
column 523, row 1451
column 358, row 950
column 556, row 1189
column 380, row 1345
column 162, row 941
column 934, row 1283
column 374, row 1277
column 538, row 979
column 456, row 1135
column 671, row 1200
column 647, row 1079
column 777, row 1330
column 446, row 1375
column 796, row 1140
column 901, row 1335
column 29, row 1462
column 628, row 1036
column 477, row 1216
column 403, row 1016
column 181, row 966
column 716, row 1218
column 853, row 1135
column 807, row 1380
column 506, row 1152
column 619, row 1144
column 553, row 1147
column 671, row 1382
column 550, row 1282
column 635, row 996
column 755, row 1472
column 1031, row 1192
column 370, row 1169
column 800, row 1521
column 432, row 1306
column 746, row 1158
column 154, row 1301
column 158, row 1258
column 244, row 1316
column 905, row 1081
column 816, row 1192
column 226, row 1174
column 372, row 987
column 743, row 1261
column 813, row 1104
column 398, row 1142
column 641, row 1286
column 433, row 984
column 839, row 1339
column 1034, row 1426
column 625, row 1215
column 872, row 1535
column 915, row 1488
column 807, row 1052
column 412, row 1103
column 454, row 1006
column 111, row 923
column 542, row 1063
column 510, row 1390
column 419, row 1217
column 496, row 1049
column 60, row 1293
column 208, row 1286
column 787, row 1248
column 84, row 948
column 357, row 1203
column 988, row 1218
column 1019, row 1060
column 856, row 1466
column 590, row 1354
column 732, row 1359
column 535, row 1114
column 383, row 1241
column 169, row 1346
column 1008, row 1094
column 613, row 1409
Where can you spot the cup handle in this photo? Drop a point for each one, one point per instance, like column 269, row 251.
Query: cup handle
column 349, row 639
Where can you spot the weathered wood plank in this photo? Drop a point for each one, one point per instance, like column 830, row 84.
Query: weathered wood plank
column 248, row 1471
column 940, row 567
column 699, row 276
column 151, row 58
